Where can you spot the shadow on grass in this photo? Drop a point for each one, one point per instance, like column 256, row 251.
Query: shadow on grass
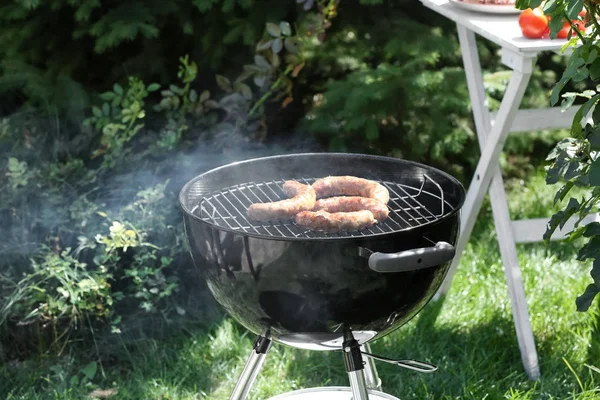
column 474, row 362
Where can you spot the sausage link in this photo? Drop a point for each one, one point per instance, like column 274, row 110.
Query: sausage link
column 335, row 222
column 350, row 186
column 303, row 198
column 347, row 204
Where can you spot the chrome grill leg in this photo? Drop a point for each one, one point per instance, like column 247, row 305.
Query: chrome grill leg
column 371, row 375
column 355, row 367
column 252, row 368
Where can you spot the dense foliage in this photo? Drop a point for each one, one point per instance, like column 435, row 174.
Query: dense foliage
column 574, row 161
column 124, row 101
column 90, row 44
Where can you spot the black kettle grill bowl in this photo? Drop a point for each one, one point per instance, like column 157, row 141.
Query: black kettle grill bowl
column 306, row 289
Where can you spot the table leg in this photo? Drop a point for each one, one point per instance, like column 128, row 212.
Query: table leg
column 491, row 141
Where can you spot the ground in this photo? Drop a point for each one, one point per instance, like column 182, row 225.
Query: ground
column 470, row 337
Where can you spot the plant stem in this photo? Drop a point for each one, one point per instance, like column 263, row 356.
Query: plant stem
column 269, row 93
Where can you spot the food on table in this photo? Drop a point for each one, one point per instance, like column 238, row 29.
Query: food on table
column 535, row 24
column 302, row 198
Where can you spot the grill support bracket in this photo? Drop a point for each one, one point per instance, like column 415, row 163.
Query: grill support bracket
column 254, row 364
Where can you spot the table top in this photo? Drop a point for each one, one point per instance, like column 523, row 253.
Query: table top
column 502, row 29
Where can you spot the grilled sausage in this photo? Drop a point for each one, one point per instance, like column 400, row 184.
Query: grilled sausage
column 350, row 186
column 335, row 222
column 348, row 204
column 302, row 198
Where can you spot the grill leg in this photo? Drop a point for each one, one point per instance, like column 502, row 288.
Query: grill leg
column 355, row 368
column 371, row 375
column 252, row 368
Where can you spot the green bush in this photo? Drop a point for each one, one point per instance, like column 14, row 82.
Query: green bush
column 59, row 52
column 92, row 238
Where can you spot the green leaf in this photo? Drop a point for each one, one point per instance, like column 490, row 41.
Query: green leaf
column 291, row 45
column 118, row 89
column 581, row 75
column 592, row 56
column 273, row 29
column 175, row 89
column 595, row 272
column 261, row 61
column 595, row 69
column 223, row 83
column 523, row 4
column 594, row 136
column 205, row 95
column 275, row 60
column 107, row 96
column 211, row 104
column 153, row 87
column 573, row 170
column 90, row 370
column 106, row 109
column 574, row 7
column 553, row 173
column 193, row 96
column 234, row 34
column 188, row 28
column 575, row 61
column 552, row 225
column 555, row 25
column 584, row 301
column 562, row 192
column 568, row 100
column 594, row 173
column 549, row 6
column 264, row 45
column 244, row 90
column 589, row 250
column 277, row 45
column 285, row 27
column 571, row 209
column 592, row 229
column 96, row 111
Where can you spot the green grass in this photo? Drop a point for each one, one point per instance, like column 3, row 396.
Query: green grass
column 471, row 338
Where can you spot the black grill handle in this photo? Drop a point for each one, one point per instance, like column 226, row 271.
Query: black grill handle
column 410, row 260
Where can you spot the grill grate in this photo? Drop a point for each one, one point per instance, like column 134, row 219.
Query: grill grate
column 227, row 209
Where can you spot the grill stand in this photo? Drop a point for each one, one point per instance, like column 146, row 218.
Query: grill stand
column 355, row 367
column 371, row 375
column 262, row 345
column 363, row 377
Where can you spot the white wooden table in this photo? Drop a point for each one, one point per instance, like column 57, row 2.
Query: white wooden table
column 519, row 54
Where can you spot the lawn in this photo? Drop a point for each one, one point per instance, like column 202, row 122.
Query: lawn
column 470, row 337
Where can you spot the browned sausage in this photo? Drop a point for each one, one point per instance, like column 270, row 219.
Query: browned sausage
column 352, row 203
column 302, row 198
column 335, row 222
column 350, row 186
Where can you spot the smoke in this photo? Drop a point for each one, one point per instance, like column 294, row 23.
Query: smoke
column 63, row 188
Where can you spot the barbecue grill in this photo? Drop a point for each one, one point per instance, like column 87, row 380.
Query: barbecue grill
column 316, row 290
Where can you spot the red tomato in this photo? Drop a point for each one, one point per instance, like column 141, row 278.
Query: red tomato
column 533, row 23
column 564, row 32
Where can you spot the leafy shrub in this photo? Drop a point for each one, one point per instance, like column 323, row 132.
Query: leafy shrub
column 574, row 161
column 117, row 39
column 98, row 202
column 103, row 255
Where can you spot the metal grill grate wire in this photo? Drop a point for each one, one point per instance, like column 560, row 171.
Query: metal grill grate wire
column 227, row 209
